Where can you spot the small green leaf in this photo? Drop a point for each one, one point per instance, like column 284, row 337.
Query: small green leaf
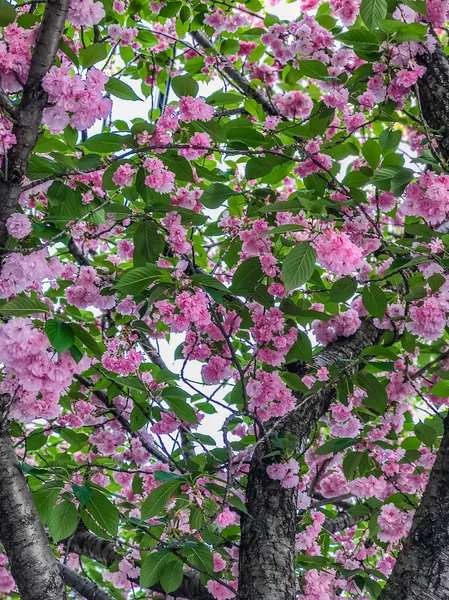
column 7, row 13
column 120, row 89
column 155, row 504
column 172, row 574
column 334, row 446
column 62, row 520
column 23, row 307
column 184, row 85
column 151, row 567
column 215, row 195
column 105, row 143
column 246, row 277
column 176, row 399
column 426, row 434
column 372, row 12
column 374, row 300
column 148, row 243
column 136, row 280
column 343, row 290
column 94, row 53
column 298, row 265
column 60, row 334
column 103, row 512
column 441, row 389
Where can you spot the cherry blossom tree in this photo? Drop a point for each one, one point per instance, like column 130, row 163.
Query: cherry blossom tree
column 223, row 308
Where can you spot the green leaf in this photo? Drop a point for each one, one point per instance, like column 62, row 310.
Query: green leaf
column 82, row 492
column 39, row 167
column 155, row 504
column 372, row 12
column 44, row 500
column 171, row 575
column 441, row 389
column 215, row 195
column 151, row 567
column 200, row 556
column 298, row 265
column 374, row 300
column 184, row 85
column 389, row 139
column 148, row 243
column 87, row 340
column 120, row 89
column 426, row 434
column 371, row 153
column 62, row 520
column 60, row 334
column 23, row 307
column 351, row 462
column 207, row 281
column 176, row 399
column 246, row 277
column 313, row 69
column 134, row 281
column 103, row 512
column 105, row 143
column 92, row 54
column 377, row 396
column 7, row 13
column 343, row 289
column 334, row 446
column 178, row 165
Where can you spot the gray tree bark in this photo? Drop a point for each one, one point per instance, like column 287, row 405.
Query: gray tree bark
column 29, row 554
column 267, row 547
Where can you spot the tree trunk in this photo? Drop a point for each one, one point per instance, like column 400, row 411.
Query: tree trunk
column 267, row 548
column 32, row 563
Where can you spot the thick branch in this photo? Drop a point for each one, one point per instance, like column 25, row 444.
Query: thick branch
column 29, row 117
column 267, row 548
column 240, row 81
column 421, row 570
column 21, row 532
column 87, row 589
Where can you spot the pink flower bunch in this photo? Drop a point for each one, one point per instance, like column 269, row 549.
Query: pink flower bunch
column 269, row 396
column 216, row 370
column 346, row 10
column 428, row 198
column 222, row 22
column 344, row 325
column 438, row 11
column 123, row 176
column 394, row 523
column 86, row 292
column 427, row 320
column 337, row 253
column 198, row 139
column 7, row 138
column 306, row 540
column 294, row 105
column 188, row 198
column 15, row 56
column 189, row 309
column 160, row 179
column 286, row 473
column 167, row 424
column 24, row 271
column 36, row 377
column 219, row 591
column 319, row 585
column 77, row 102
column 194, row 109
column 7, row 583
column 268, row 332
column 18, row 225
column 85, row 12
column 176, row 233
column 121, row 360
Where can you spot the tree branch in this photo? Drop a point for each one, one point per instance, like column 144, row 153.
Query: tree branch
column 29, row 111
column 267, row 547
column 21, row 532
column 87, row 589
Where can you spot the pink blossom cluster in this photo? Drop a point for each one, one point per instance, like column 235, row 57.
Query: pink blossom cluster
column 269, row 396
column 85, row 12
column 199, row 144
column 194, row 109
column 306, row 540
column 427, row 319
column 177, row 234
column 294, row 105
column 269, row 333
column 428, row 198
column 337, row 253
column 394, row 524
column 123, row 176
column 7, row 584
column 188, row 310
column 319, row 585
column 220, row 21
column 188, row 198
column 85, row 291
column 286, row 473
column 120, row 359
column 216, row 370
column 15, row 56
column 160, row 178
column 18, row 225
column 344, row 325
column 36, row 377
column 76, row 102
column 26, row 271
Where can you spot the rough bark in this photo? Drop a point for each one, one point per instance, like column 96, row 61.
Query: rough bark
column 87, row 589
column 28, row 115
column 23, row 537
column 422, row 568
column 267, row 548
column 433, row 96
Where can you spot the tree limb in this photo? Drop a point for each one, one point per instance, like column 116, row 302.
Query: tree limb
column 32, row 563
column 87, row 589
column 267, row 547
column 30, row 109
